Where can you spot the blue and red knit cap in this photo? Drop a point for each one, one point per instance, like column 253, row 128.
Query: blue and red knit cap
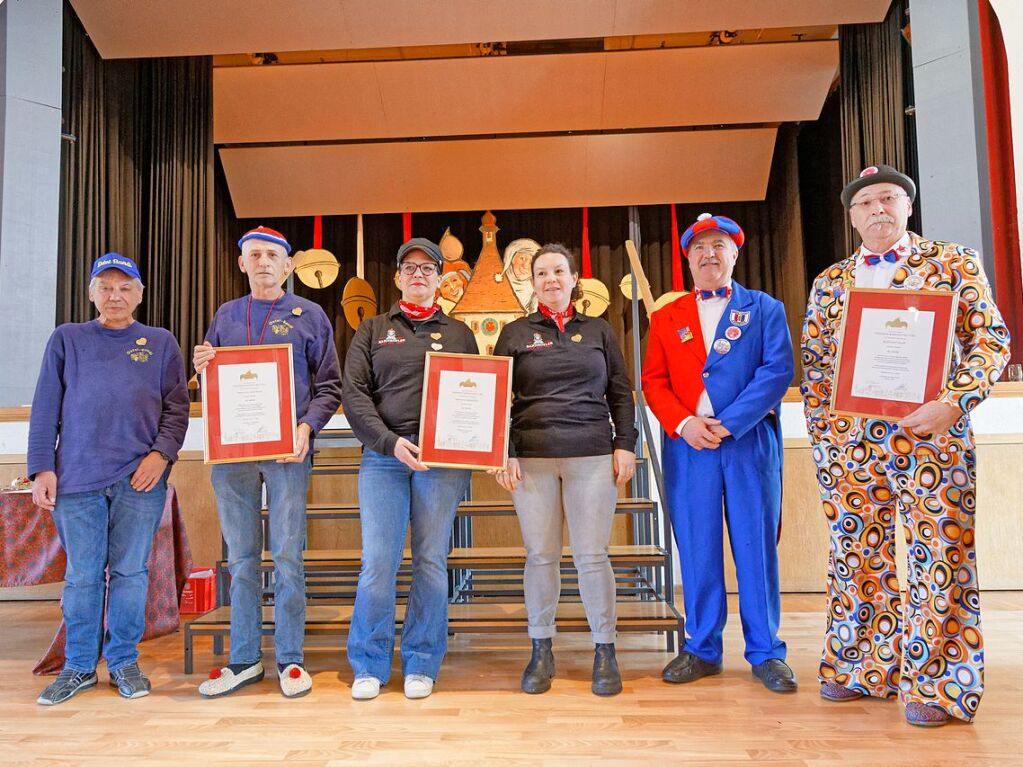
column 268, row 234
column 705, row 222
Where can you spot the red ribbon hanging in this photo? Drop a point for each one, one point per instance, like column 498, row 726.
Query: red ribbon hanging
column 406, row 226
column 676, row 254
column 318, row 232
column 587, row 266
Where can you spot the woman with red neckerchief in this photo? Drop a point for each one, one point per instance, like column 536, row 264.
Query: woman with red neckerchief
column 569, row 385
column 382, row 393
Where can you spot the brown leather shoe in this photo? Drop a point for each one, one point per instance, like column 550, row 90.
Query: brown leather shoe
column 836, row 693
column 923, row 715
column 686, row 667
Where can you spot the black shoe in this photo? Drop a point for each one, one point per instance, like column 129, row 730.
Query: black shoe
column 538, row 674
column 688, row 668
column 776, row 675
column 67, row 684
column 130, row 682
column 607, row 680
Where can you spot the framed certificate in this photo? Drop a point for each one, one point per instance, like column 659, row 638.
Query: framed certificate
column 464, row 421
column 248, row 404
column 893, row 351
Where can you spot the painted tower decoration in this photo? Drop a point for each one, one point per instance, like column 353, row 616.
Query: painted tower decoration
column 489, row 302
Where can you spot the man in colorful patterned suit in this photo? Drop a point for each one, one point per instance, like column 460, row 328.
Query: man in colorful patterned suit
column 718, row 362
column 922, row 468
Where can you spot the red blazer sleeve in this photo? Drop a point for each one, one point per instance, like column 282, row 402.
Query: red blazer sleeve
column 666, row 405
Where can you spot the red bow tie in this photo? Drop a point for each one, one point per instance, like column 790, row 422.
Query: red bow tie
column 559, row 317
column 871, row 260
column 417, row 312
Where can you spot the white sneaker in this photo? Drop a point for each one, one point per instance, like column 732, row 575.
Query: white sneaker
column 365, row 688
column 418, row 686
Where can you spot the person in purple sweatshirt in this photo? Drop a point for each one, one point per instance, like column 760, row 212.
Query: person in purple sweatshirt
column 108, row 418
column 270, row 315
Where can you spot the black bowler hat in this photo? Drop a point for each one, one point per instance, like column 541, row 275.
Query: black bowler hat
column 878, row 174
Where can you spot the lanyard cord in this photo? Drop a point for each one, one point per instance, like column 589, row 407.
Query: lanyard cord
column 248, row 320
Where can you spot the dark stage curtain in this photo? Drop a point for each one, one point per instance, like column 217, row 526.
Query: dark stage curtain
column 138, row 180
column 876, row 74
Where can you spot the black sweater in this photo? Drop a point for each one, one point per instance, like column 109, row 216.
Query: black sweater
column 382, row 390
column 565, row 386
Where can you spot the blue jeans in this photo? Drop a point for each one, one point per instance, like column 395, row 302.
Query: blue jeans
column 112, row 527
column 239, row 491
column 391, row 496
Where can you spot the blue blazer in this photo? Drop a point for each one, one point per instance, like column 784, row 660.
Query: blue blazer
column 746, row 383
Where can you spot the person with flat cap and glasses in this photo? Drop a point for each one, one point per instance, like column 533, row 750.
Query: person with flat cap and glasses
column 270, row 315
column 572, row 444
column 918, row 474
column 382, row 396
column 109, row 415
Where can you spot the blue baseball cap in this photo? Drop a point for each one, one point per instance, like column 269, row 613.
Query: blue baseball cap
column 116, row 261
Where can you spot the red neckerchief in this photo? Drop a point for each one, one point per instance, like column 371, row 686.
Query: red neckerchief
column 559, row 317
column 415, row 312
column 248, row 319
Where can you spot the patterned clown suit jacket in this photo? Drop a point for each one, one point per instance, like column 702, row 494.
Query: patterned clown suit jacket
column 870, row 472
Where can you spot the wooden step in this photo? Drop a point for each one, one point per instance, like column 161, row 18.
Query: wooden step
column 476, row 558
column 633, row 615
column 497, row 508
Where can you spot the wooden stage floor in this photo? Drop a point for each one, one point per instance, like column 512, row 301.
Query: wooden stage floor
column 477, row 716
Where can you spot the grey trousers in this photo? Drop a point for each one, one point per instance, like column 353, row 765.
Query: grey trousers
column 582, row 492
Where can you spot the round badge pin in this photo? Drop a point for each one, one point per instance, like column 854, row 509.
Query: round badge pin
column 732, row 333
column 914, row 282
column 722, row 346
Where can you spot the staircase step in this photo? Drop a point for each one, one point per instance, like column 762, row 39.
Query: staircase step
column 482, row 558
column 472, row 617
column 497, row 508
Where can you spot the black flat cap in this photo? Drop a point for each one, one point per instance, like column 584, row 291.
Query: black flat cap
column 878, row 174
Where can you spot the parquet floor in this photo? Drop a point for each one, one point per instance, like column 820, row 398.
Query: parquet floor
column 477, row 716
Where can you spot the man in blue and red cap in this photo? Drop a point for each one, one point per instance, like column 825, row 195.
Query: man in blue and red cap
column 718, row 362
column 270, row 315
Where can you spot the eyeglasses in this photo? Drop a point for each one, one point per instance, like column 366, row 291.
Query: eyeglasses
column 427, row 270
column 886, row 200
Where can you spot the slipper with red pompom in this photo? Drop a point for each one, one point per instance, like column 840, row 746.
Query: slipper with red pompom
column 295, row 681
column 223, row 681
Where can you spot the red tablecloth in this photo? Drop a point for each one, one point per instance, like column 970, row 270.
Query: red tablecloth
column 32, row 555
column 31, row 551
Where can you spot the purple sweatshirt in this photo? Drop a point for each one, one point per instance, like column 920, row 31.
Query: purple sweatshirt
column 305, row 326
column 111, row 397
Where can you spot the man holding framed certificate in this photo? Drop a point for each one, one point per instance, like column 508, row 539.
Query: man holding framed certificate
column 913, row 461
column 278, row 328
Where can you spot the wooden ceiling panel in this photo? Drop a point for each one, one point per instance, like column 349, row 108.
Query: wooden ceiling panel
column 539, row 172
column 525, row 94
column 142, row 28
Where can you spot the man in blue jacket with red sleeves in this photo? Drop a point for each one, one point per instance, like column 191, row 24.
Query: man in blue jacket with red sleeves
column 718, row 362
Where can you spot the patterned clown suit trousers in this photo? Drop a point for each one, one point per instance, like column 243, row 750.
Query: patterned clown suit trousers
column 926, row 648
